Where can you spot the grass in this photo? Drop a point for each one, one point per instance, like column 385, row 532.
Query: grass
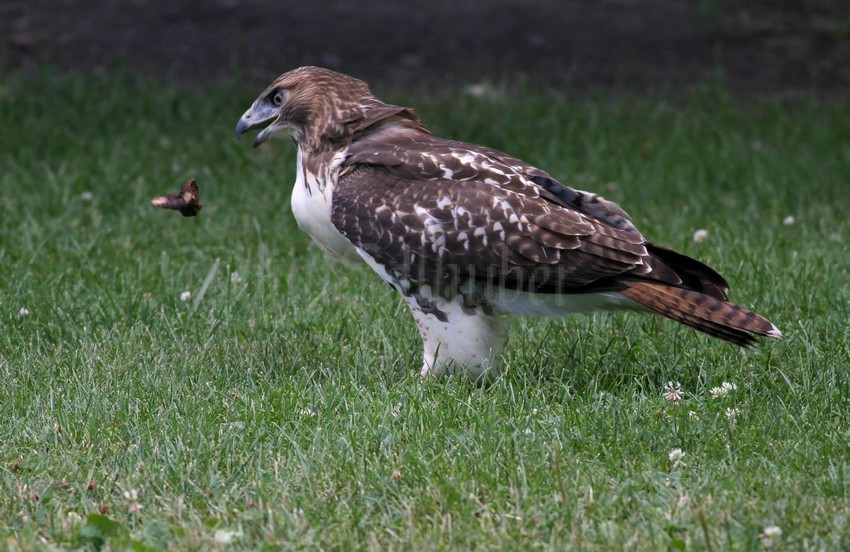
column 280, row 408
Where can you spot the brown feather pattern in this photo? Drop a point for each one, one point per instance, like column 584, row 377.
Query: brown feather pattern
column 440, row 212
column 460, row 210
column 701, row 311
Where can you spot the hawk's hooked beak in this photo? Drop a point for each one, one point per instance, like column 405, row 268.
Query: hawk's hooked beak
column 251, row 120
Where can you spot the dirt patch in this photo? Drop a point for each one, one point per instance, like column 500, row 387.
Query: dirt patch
column 767, row 46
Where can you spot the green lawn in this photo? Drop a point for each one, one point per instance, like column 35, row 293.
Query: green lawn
column 279, row 406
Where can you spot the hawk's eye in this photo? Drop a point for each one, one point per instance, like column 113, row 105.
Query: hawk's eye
column 279, row 98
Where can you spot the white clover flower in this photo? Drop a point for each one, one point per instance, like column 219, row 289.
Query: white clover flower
column 724, row 389
column 71, row 519
column 235, row 278
column 528, row 431
column 700, row 235
column 226, row 537
column 24, row 312
column 789, row 220
column 673, row 392
column 87, row 196
column 773, row 531
column 185, row 296
column 131, row 497
column 770, row 536
column 676, row 455
column 732, row 414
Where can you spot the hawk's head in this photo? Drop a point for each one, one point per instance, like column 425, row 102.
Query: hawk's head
column 314, row 106
column 319, row 109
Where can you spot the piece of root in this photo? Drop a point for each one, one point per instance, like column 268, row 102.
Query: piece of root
column 187, row 200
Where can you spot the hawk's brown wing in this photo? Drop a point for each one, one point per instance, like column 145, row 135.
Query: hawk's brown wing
column 443, row 230
column 462, row 207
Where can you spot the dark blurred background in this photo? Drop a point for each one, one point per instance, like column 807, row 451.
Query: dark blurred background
column 780, row 46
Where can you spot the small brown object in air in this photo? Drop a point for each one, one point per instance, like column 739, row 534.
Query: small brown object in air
column 187, row 200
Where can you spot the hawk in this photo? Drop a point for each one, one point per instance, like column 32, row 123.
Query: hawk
column 468, row 234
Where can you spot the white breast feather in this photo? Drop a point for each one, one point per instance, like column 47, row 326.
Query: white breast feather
column 311, row 207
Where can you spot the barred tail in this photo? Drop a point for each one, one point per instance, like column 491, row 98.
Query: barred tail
column 703, row 312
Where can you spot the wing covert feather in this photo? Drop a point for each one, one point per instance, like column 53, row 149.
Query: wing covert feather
column 441, row 228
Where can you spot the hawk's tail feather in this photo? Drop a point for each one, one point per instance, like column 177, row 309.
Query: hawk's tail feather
column 701, row 311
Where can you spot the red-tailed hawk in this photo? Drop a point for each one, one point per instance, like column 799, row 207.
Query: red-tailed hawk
column 466, row 233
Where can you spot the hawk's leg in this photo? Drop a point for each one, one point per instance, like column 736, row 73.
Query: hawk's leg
column 461, row 333
column 458, row 337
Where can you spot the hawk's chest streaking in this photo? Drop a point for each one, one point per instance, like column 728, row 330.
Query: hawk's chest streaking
column 467, row 233
column 312, row 201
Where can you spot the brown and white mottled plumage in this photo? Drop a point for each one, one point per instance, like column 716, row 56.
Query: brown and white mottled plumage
column 466, row 233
